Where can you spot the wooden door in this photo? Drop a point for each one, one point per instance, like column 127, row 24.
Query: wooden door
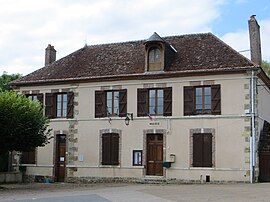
column 60, row 158
column 264, row 166
column 154, row 154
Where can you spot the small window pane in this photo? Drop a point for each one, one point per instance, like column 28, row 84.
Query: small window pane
column 198, row 100
column 35, row 98
column 152, row 110
column 198, row 92
column 160, row 93
column 152, row 93
column 207, row 100
column 59, row 98
column 58, row 113
column 207, row 91
column 160, row 102
column 109, row 95
column 152, row 102
column 64, row 112
column 160, row 110
column 65, row 97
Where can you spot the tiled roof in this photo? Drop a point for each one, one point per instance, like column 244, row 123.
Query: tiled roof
column 195, row 52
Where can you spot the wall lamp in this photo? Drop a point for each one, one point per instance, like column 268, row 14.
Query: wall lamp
column 129, row 118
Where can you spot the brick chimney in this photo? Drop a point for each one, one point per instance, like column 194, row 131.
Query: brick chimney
column 50, row 54
column 255, row 40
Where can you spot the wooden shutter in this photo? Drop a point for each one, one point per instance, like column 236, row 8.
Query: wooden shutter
column 167, row 106
column 207, row 150
column 100, row 104
column 40, row 98
column 142, row 102
column 50, row 105
column 122, row 103
column 189, row 100
column 70, row 104
column 197, row 150
column 216, row 100
column 114, row 149
column 28, row 157
column 106, row 149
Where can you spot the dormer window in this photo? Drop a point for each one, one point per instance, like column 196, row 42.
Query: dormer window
column 158, row 54
column 154, row 59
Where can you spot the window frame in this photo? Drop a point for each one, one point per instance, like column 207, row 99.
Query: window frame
column 202, row 151
column 110, row 147
column 203, row 110
column 156, row 101
column 156, row 65
column 113, row 114
column 62, row 104
column 134, row 158
column 29, row 161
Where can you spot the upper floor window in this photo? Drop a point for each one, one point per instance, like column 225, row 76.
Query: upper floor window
column 112, row 100
column 35, row 97
column 59, row 105
column 154, row 59
column 111, row 103
column 154, row 102
column 202, row 100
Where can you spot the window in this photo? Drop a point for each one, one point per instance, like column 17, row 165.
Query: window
column 154, row 59
column 35, row 97
column 137, row 158
column 110, row 149
column 202, row 100
column 28, row 157
column 154, row 55
column 154, row 102
column 111, row 103
column 202, row 150
column 59, row 105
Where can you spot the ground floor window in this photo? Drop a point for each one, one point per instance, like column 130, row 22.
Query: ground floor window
column 110, row 149
column 202, row 150
column 28, row 157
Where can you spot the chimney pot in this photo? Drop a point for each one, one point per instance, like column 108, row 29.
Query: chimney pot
column 50, row 54
column 255, row 40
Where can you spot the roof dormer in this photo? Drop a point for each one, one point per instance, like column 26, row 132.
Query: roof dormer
column 156, row 52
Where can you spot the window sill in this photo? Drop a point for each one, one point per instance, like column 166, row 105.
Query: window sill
column 202, row 168
column 109, row 166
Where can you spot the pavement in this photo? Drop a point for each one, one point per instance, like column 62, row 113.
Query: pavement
column 66, row 192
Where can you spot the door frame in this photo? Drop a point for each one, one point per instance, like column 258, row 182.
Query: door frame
column 55, row 147
column 153, row 131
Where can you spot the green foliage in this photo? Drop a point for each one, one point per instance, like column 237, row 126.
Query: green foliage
column 266, row 67
column 23, row 126
column 5, row 79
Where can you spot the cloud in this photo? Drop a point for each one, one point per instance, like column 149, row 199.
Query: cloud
column 28, row 26
column 239, row 40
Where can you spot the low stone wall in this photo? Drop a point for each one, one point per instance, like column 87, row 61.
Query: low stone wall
column 10, row 177
column 141, row 180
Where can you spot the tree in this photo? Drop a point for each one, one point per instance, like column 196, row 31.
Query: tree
column 5, row 79
column 266, row 67
column 23, row 126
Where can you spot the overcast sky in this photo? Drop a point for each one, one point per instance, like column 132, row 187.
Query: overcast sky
column 28, row 26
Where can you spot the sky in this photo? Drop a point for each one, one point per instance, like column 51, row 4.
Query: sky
column 27, row 27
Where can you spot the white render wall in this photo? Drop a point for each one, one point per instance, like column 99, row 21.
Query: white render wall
column 231, row 131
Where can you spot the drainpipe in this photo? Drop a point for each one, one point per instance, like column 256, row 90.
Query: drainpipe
column 252, row 142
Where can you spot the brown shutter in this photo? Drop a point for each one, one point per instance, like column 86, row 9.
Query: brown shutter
column 28, row 157
column 40, row 98
column 100, row 106
column 50, row 105
column 167, row 106
column 216, row 99
column 106, row 149
column 70, row 104
column 207, row 150
column 114, row 149
column 197, row 150
column 142, row 102
column 189, row 100
column 122, row 103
